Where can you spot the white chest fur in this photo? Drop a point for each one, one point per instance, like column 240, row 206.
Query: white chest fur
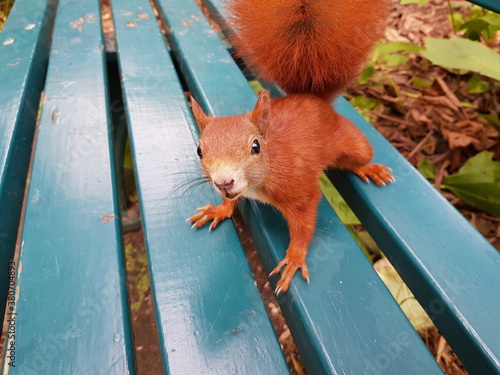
column 251, row 193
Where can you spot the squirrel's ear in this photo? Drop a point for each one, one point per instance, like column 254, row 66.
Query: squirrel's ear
column 201, row 118
column 262, row 111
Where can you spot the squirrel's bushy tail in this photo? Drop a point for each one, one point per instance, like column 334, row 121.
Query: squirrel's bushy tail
column 307, row 46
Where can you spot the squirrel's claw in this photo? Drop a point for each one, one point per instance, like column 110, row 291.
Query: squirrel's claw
column 292, row 266
column 204, row 214
column 380, row 174
column 211, row 212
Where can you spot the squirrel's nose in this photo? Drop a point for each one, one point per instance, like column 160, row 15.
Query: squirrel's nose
column 224, row 185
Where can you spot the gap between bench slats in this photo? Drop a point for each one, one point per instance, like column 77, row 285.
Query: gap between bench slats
column 210, row 315
column 346, row 317
column 72, row 311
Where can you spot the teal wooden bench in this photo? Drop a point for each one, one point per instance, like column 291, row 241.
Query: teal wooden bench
column 65, row 292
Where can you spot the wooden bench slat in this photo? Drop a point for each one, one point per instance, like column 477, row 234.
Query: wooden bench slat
column 24, row 49
column 336, row 319
column 211, row 317
column 334, row 333
column 72, row 310
column 202, row 58
column 71, row 315
column 451, row 268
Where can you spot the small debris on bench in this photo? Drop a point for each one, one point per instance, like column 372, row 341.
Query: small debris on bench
column 106, row 218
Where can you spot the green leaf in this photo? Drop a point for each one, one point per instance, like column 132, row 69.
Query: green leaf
column 473, row 28
column 367, row 73
column 476, row 85
column 456, row 19
column 485, row 196
column 128, row 160
column 395, row 60
column 402, row 294
column 477, row 12
column 414, row 95
column 361, row 102
column 256, row 86
column 477, row 183
column 391, row 47
column 492, row 18
column 482, row 162
column 491, row 32
column 419, row 82
column 337, row 202
column 427, row 170
column 369, row 243
column 485, row 25
column 492, row 119
column 465, row 54
column 387, row 52
column 419, row 2
column 129, row 173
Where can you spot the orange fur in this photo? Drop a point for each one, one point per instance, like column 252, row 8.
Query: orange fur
column 312, row 49
column 307, row 46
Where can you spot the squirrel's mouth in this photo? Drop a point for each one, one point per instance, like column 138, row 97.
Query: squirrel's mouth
column 231, row 190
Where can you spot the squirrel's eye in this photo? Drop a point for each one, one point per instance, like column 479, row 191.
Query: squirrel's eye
column 199, row 152
column 255, row 147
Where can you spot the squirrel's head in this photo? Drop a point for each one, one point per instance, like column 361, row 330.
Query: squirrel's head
column 233, row 150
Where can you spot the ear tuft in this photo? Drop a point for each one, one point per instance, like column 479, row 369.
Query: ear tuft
column 201, row 118
column 262, row 112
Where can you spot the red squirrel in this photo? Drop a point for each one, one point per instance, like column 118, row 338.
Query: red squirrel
column 312, row 49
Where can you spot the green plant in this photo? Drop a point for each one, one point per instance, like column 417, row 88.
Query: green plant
column 388, row 53
column 364, row 105
column 348, row 218
column 463, row 54
column 402, row 294
column 137, row 269
column 480, row 24
column 467, row 52
column 337, row 202
column 426, row 169
column 477, row 183
column 129, row 174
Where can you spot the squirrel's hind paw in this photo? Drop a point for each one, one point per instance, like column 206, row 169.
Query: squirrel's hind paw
column 380, row 174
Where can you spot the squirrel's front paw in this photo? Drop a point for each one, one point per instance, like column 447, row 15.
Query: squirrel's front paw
column 379, row 173
column 292, row 263
column 214, row 213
